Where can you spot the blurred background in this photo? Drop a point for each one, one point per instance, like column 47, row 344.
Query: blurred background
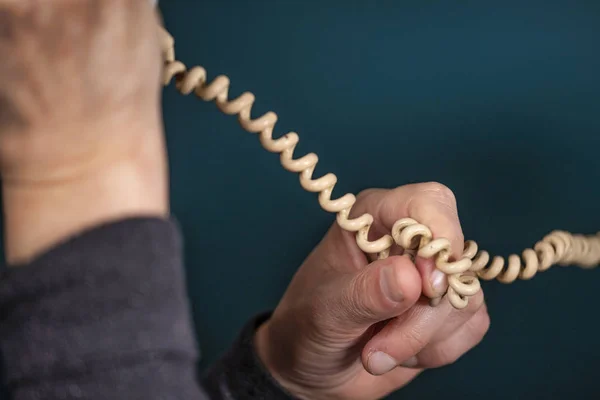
column 500, row 101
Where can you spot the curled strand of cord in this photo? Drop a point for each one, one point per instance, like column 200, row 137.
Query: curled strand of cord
column 194, row 81
column 415, row 239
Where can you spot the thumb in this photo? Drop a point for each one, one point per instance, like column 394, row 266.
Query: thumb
column 382, row 290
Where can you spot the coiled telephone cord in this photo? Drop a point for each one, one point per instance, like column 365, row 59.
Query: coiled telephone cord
column 558, row 247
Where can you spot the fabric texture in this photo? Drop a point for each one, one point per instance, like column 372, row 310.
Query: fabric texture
column 105, row 315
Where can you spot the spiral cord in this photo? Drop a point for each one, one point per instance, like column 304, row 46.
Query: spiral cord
column 558, row 247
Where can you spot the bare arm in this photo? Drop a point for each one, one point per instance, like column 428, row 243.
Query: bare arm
column 94, row 303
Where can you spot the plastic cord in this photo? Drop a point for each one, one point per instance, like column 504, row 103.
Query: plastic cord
column 558, row 247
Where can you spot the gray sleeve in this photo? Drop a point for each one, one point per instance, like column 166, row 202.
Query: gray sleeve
column 105, row 315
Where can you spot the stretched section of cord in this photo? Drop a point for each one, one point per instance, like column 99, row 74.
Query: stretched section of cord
column 558, row 247
column 416, row 239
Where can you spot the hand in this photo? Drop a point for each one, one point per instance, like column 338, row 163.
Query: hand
column 348, row 330
column 81, row 139
column 74, row 75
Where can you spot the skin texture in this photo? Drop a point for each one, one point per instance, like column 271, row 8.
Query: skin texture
column 340, row 313
column 81, row 143
column 81, row 138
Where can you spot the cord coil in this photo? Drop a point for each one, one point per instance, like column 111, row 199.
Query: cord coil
column 558, row 247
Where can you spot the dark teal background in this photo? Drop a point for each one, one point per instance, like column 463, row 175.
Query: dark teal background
column 498, row 100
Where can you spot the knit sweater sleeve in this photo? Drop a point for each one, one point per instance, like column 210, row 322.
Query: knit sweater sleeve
column 105, row 315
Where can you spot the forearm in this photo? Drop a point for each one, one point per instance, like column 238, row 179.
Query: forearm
column 95, row 298
column 40, row 213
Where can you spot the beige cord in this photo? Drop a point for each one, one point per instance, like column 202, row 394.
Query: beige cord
column 416, row 239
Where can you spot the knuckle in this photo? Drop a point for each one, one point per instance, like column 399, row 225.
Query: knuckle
column 412, row 340
column 368, row 192
column 438, row 190
column 448, row 353
column 436, row 203
column 479, row 324
column 475, row 304
column 445, row 355
column 459, row 239
column 368, row 200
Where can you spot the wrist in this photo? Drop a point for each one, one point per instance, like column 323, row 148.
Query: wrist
column 40, row 214
column 267, row 352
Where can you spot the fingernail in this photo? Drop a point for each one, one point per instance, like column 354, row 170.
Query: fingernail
column 381, row 363
column 389, row 285
column 438, row 281
column 411, row 362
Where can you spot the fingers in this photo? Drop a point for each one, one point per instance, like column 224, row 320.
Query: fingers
column 426, row 337
column 403, row 337
column 383, row 290
column 448, row 351
column 457, row 318
column 434, row 205
column 431, row 204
